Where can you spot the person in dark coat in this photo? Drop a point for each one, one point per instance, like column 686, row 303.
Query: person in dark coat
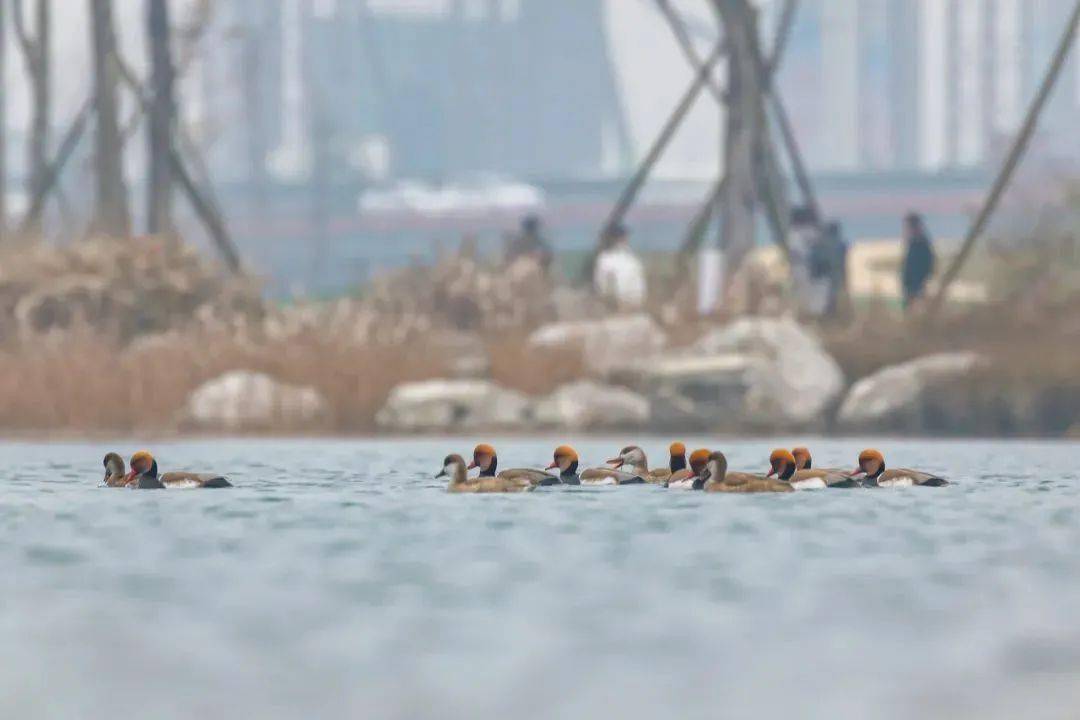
column 531, row 243
column 918, row 259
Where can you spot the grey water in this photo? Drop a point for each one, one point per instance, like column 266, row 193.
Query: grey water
column 340, row 580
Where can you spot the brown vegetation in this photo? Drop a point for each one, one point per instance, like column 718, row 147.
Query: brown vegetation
column 82, row 384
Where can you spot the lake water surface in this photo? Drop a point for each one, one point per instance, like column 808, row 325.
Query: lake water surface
column 339, row 580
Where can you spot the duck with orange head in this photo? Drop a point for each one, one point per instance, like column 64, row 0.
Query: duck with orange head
column 690, row 478
column 872, row 468
column 786, row 466
column 144, row 475
column 676, row 463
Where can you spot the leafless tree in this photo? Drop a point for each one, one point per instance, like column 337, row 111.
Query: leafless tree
column 3, row 123
column 111, row 214
column 162, row 119
column 36, row 53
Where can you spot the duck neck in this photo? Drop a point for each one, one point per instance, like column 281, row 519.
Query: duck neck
column 460, row 476
column 787, row 472
column 490, row 470
column 678, row 462
column 570, row 471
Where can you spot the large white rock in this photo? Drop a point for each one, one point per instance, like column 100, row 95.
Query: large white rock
column 790, row 378
column 894, row 397
column 245, row 400
column 587, row 405
column 605, row 344
column 452, row 405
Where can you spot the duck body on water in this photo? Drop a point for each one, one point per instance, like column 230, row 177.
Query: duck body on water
column 707, row 471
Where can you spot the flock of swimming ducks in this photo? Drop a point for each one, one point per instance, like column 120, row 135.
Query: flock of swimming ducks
column 706, row 470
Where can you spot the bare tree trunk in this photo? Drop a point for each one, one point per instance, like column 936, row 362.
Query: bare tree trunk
column 743, row 132
column 162, row 120
column 36, row 51
column 3, row 122
column 111, row 214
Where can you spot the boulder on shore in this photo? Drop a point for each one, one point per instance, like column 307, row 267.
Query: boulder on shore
column 242, row 400
column 908, row 396
column 794, row 381
column 605, row 344
column 452, row 405
column 760, row 373
column 587, row 405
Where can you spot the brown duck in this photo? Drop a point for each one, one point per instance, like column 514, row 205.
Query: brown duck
column 115, row 471
column 718, row 479
column 785, row 465
column 872, row 465
column 454, row 468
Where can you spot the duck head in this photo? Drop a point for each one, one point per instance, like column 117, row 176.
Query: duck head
column 678, row 456
column 803, row 461
column 114, row 466
column 698, row 460
column 871, row 464
column 485, row 458
column 631, row 456
column 453, row 468
column 715, row 468
column 782, row 464
column 142, row 463
column 565, row 459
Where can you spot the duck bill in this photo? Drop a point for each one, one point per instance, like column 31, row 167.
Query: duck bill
column 472, row 465
column 771, row 472
column 552, row 466
column 617, row 462
column 441, row 474
column 857, row 472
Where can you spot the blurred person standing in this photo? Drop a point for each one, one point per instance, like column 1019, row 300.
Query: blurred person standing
column 835, row 252
column 809, row 267
column 530, row 243
column 618, row 273
column 919, row 259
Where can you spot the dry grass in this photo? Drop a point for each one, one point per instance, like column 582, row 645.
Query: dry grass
column 84, row 385
column 517, row 366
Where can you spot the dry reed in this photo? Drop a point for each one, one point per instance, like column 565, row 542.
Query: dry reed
column 83, row 385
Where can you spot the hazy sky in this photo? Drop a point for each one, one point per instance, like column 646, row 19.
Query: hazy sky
column 653, row 74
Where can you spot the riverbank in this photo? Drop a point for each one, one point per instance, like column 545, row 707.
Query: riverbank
column 120, row 338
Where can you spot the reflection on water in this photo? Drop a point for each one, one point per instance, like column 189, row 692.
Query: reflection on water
column 340, row 580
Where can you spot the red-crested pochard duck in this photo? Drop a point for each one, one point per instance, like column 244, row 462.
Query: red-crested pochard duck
column 144, row 475
column 566, row 461
column 690, row 478
column 718, row 479
column 785, row 465
column 676, row 462
column 454, row 468
column 872, row 465
column 630, row 467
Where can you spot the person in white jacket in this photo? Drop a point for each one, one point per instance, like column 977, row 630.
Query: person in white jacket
column 619, row 274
